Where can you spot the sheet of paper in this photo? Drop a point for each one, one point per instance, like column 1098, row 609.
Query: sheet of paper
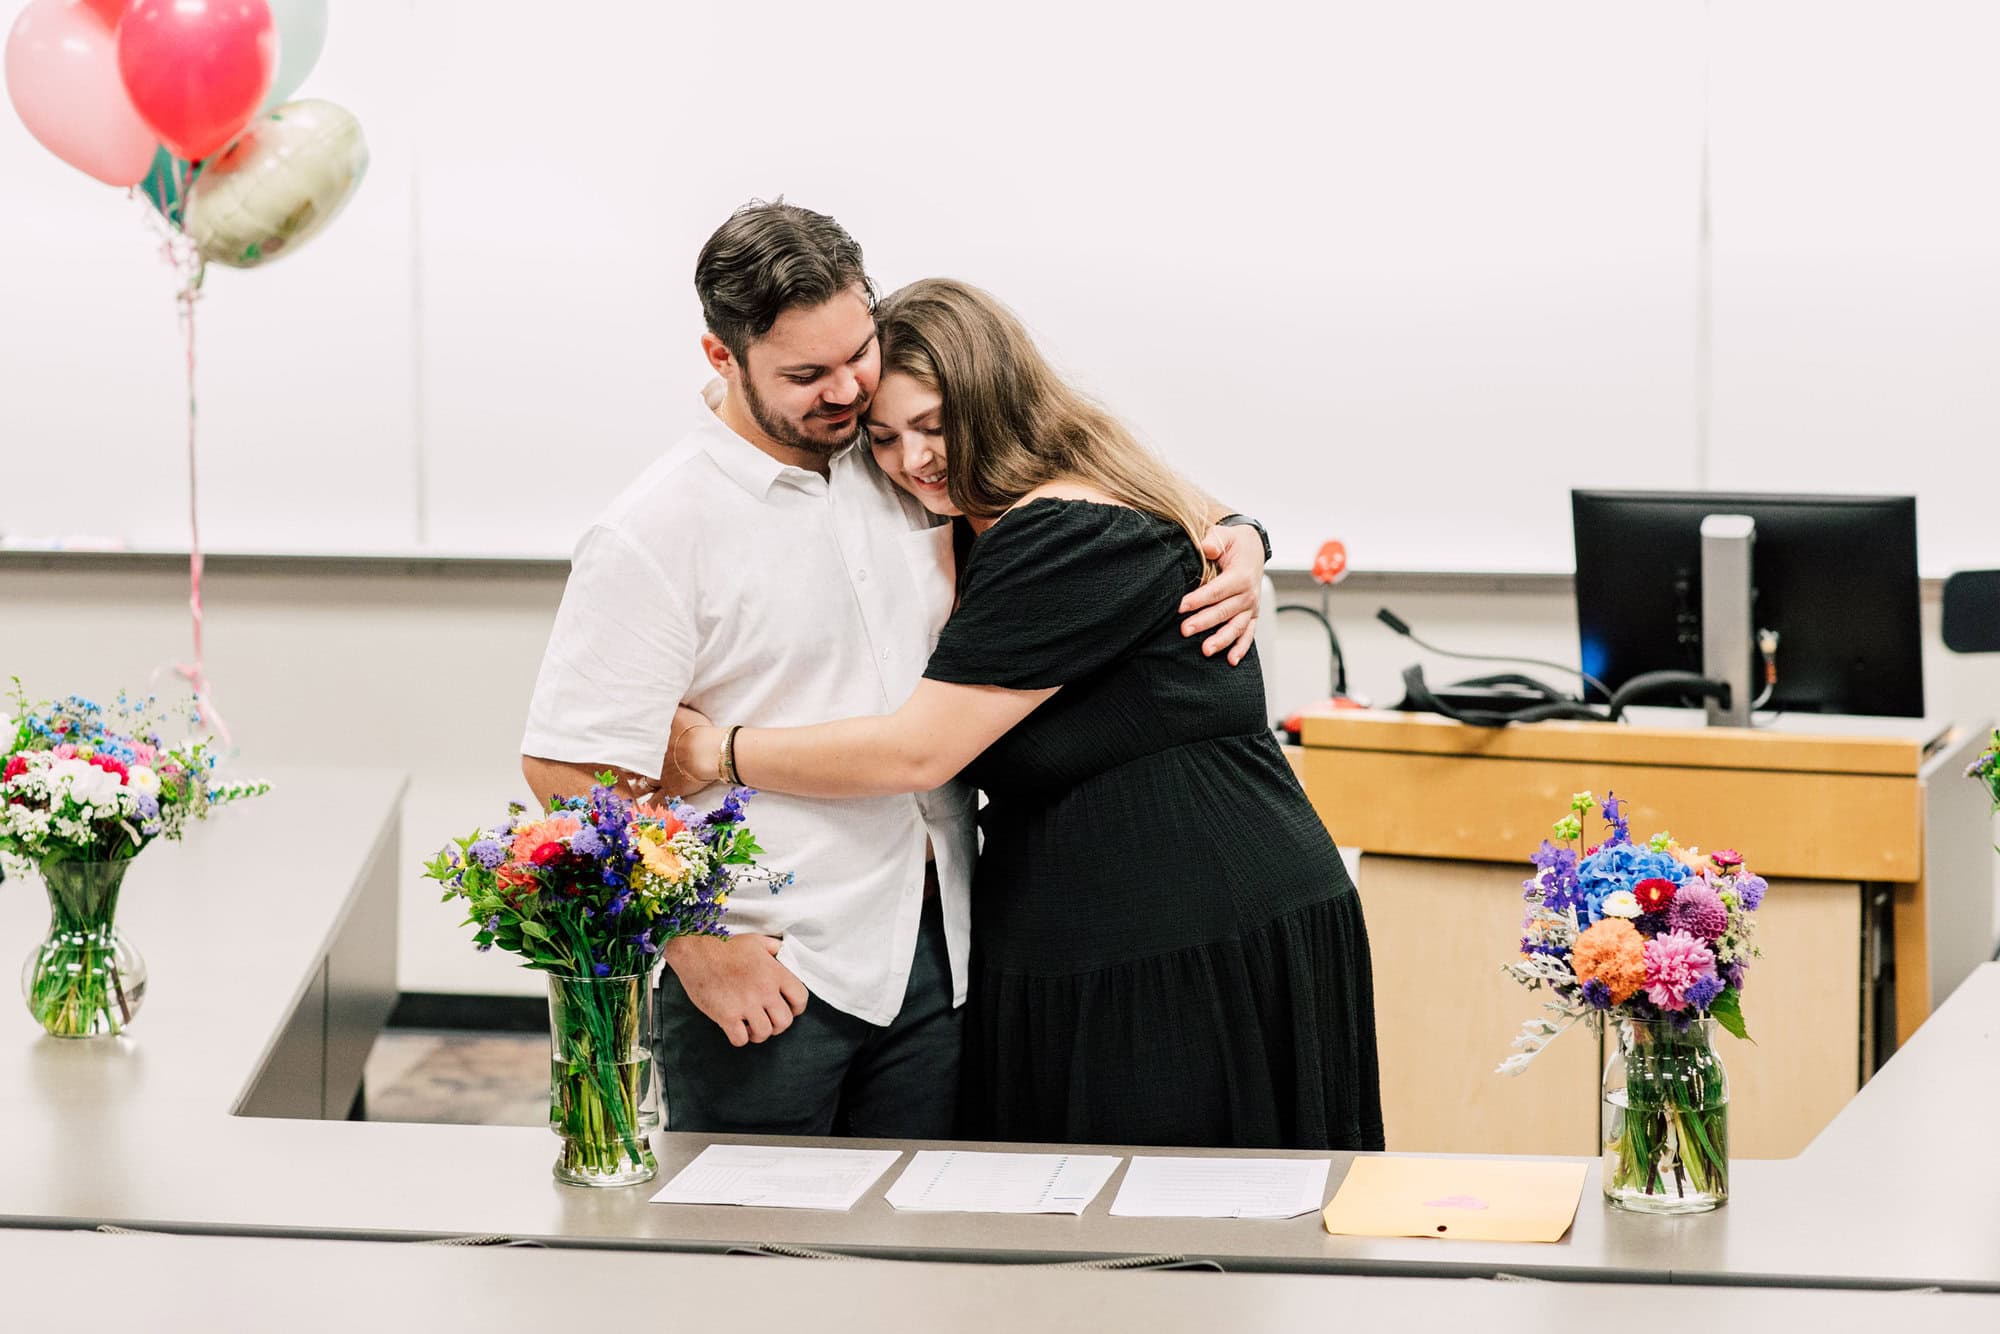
column 777, row 1177
column 1002, row 1183
column 1221, row 1187
column 1468, row 1199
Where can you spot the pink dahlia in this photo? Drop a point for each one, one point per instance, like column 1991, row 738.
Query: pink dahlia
column 1697, row 911
column 1674, row 962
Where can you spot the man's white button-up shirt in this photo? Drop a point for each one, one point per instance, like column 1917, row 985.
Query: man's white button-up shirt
column 770, row 596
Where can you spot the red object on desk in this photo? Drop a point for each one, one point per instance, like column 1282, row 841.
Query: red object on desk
column 1330, row 565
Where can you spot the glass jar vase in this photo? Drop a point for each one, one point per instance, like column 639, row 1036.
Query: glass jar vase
column 1666, row 1117
column 602, row 1103
column 84, row 980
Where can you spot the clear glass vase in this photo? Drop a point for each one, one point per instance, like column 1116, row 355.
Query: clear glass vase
column 83, row 980
column 1666, row 1117
column 601, row 1098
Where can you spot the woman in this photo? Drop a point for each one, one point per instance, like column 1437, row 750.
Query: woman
column 1166, row 947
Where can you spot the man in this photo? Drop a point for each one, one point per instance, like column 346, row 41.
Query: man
column 764, row 571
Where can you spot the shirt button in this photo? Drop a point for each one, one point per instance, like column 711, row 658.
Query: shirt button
column 885, row 655
column 861, row 576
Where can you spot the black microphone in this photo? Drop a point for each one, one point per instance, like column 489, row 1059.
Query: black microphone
column 1401, row 627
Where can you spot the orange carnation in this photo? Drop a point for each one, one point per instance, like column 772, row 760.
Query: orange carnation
column 1614, row 953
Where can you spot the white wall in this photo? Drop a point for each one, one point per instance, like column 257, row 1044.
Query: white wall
column 1413, row 259
column 428, row 672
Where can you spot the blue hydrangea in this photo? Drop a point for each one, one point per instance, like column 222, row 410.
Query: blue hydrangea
column 147, row 805
column 1618, row 866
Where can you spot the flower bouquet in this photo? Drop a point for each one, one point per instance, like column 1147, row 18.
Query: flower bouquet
column 588, row 891
column 82, row 790
column 1655, row 938
column 1986, row 769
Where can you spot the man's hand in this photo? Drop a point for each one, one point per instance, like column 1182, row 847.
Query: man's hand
column 1229, row 600
column 739, row 983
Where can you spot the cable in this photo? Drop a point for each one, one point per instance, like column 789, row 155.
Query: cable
column 1396, row 623
column 1767, row 647
column 1337, row 665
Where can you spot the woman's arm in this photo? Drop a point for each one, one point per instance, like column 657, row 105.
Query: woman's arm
column 939, row 730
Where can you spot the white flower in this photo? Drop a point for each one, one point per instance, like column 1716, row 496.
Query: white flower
column 143, row 780
column 1620, row 903
column 86, row 784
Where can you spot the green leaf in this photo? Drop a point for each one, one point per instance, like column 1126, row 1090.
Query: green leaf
column 1727, row 1010
column 536, row 929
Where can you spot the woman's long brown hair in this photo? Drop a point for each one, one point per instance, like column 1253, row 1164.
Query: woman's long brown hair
column 1010, row 422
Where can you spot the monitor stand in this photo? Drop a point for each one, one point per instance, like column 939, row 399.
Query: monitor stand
column 1726, row 625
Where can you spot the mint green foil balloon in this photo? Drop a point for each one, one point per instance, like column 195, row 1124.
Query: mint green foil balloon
column 283, row 179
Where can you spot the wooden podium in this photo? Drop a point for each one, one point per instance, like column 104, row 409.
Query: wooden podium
column 1877, row 849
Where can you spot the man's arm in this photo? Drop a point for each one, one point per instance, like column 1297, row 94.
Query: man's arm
column 1227, row 604
column 549, row 779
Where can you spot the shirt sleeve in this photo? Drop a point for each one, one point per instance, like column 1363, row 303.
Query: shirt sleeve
column 620, row 658
column 1056, row 591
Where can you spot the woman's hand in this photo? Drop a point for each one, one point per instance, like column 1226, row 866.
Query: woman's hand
column 1229, row 600
column 694, row 752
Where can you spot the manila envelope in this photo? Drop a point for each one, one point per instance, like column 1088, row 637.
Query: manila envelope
column 1471, row 1199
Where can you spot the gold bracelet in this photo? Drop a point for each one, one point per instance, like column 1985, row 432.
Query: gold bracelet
column 725, row 763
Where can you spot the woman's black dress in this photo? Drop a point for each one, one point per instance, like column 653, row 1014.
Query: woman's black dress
column 1166, row 947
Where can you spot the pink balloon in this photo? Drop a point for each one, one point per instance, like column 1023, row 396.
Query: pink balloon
column 108, row 10
column 197, row 70
column 62, row 76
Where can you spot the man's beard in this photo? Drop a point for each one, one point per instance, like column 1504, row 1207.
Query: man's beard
column 787, row 433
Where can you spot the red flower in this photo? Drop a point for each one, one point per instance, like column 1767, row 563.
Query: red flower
column 16, row 766
column 109, row 765
column 515, row 876
column 547, row 853
column 1655, row 894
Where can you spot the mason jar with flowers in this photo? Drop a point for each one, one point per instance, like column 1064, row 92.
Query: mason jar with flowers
column 83, row 790
column 1652, row 940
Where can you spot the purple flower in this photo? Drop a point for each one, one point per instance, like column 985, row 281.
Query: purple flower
column 585, row 842
column 147, row 805
column 489, row 852
column 619, row 902
column 1596, row 994
column 1697, row 910
column 1732, row 973
column 1750, row 891
column 1614, row 813
column 601, row 969
column 1701, row 993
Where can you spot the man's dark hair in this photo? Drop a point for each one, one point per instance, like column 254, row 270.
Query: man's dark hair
column 768, row 258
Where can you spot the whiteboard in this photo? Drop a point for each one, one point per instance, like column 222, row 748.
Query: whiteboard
column 1400, row 274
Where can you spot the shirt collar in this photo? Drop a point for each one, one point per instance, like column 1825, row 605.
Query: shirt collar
column 750, row 467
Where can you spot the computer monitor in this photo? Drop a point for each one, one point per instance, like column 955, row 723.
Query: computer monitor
column 1835, row 576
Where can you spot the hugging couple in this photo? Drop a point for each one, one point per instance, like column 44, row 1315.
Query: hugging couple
column 902, row 563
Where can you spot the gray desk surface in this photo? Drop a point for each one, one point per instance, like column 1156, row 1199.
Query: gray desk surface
column 1900, row 1190
column 174, row 1284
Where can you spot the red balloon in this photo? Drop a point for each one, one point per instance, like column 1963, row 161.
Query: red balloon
column 197, row 70
column 108, row 10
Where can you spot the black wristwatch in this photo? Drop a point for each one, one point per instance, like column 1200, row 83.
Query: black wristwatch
column 1229, row 520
